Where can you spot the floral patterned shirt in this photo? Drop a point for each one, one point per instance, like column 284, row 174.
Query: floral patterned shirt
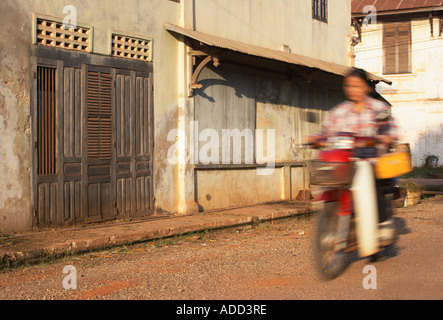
column 342, row 118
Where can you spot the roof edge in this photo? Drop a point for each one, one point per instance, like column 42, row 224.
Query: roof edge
column 267, row 53
column 400, row 11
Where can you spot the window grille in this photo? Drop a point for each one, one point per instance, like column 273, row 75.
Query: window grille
column 131, row 48
column 46, row 125
column 320, row 10
column 55, row 34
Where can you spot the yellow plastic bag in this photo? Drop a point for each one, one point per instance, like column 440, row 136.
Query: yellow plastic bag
column 393, row 165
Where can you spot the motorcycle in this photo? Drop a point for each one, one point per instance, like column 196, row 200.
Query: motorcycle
column 357, row 190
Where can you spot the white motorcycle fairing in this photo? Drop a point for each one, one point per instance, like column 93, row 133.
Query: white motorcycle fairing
column 365, row 208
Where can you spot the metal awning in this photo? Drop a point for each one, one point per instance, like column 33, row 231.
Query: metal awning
column 267, row 53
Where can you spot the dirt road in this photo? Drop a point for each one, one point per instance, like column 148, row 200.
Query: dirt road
column 269, row 261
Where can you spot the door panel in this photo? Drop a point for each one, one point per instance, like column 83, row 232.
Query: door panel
column 133, row 142
column 71, row 137
column 99, row 143
column 47, row 202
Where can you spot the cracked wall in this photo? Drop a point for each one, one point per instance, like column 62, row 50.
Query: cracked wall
column 15, row 205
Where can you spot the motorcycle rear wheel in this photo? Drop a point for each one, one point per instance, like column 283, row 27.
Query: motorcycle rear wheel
column 330, row 262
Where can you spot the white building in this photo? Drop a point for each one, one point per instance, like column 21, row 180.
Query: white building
column 402, row 41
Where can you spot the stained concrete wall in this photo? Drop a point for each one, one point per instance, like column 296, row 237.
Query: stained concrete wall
column 416, row 97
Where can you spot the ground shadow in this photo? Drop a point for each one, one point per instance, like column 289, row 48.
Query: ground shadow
column 388, row 252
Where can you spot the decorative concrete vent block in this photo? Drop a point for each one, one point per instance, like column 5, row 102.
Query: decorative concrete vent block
column 131, row 47
column 56, row 34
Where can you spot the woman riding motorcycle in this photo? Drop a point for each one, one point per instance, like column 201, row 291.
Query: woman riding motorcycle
column 363, row 116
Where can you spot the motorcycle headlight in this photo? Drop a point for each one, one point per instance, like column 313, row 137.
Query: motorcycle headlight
column 341, row 142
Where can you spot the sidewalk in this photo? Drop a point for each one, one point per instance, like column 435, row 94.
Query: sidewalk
column 41, row 245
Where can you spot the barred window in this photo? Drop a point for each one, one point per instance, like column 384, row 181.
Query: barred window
column 320, row 10
column 46, row 121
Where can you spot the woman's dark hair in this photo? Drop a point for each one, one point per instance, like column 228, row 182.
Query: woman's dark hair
column 360, row 73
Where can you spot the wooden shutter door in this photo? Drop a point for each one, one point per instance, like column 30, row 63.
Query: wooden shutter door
column 58, row 142
column 92, row 138
column 99, row 144
column 143, row 145
column 45, row 143
column 72, row 137
column 133, row 103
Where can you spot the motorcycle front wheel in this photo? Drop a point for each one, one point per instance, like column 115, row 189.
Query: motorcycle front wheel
column 330, row 261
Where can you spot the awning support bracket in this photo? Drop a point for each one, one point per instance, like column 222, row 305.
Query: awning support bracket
column 209, row 58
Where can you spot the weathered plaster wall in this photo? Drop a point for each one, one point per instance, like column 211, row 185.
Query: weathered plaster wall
column 15, row 205
column 421, row 125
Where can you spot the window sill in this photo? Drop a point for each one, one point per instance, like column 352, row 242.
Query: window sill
column 410, row 74
column 320, row 19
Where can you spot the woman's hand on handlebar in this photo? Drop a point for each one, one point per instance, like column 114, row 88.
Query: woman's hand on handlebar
column 315, row 141
column 385, row 139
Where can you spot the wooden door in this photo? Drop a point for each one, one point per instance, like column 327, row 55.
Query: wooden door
column 45, row 146
column 133, row 126
column 99, row 186
column 93, row 141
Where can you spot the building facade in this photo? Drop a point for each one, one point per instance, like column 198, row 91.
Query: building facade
column 118, row 109
column 403, row 42
column 77, row 101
